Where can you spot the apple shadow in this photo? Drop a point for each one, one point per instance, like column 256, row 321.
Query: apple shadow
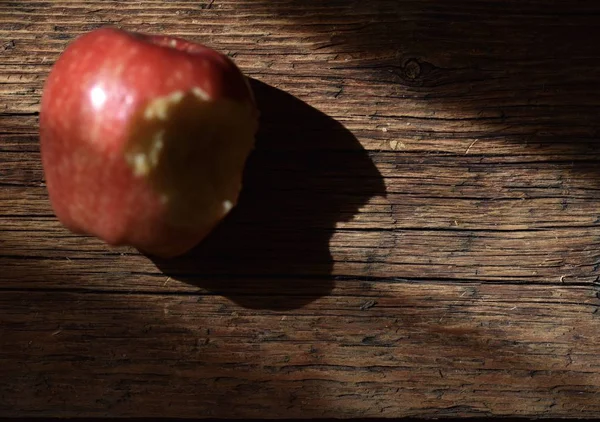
column 307, row 174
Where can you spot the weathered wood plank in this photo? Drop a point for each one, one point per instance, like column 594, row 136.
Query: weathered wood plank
column 429, row 246
column 422, row 349
column 533, row 256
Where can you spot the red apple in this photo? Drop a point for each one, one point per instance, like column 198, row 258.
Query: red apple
column 144, row 139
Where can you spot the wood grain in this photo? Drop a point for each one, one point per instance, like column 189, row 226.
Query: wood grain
column 419, row 233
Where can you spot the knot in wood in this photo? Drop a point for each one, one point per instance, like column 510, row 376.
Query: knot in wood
column 412, row 69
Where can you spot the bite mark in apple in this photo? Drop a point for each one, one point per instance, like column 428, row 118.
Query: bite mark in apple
column 158, row 108
column 142, row 163
column 181, row 145
column 200, row 93
column 227, row 206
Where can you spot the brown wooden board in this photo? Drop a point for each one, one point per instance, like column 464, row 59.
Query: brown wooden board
column 418, row 234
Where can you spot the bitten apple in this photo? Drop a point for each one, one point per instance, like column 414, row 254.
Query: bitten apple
column 144, row 139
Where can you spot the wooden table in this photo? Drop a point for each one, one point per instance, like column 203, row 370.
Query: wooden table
column 419, row 233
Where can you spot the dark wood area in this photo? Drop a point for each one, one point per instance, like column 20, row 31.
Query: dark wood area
column 419, row 233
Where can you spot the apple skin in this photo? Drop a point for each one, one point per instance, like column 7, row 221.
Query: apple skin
column 107, row 94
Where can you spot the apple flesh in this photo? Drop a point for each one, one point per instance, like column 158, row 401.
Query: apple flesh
column 144, row 139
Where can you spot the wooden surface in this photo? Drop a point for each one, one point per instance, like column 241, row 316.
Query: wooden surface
column 419, row 234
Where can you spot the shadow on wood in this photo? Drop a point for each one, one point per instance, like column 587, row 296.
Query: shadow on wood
column 306, row 174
